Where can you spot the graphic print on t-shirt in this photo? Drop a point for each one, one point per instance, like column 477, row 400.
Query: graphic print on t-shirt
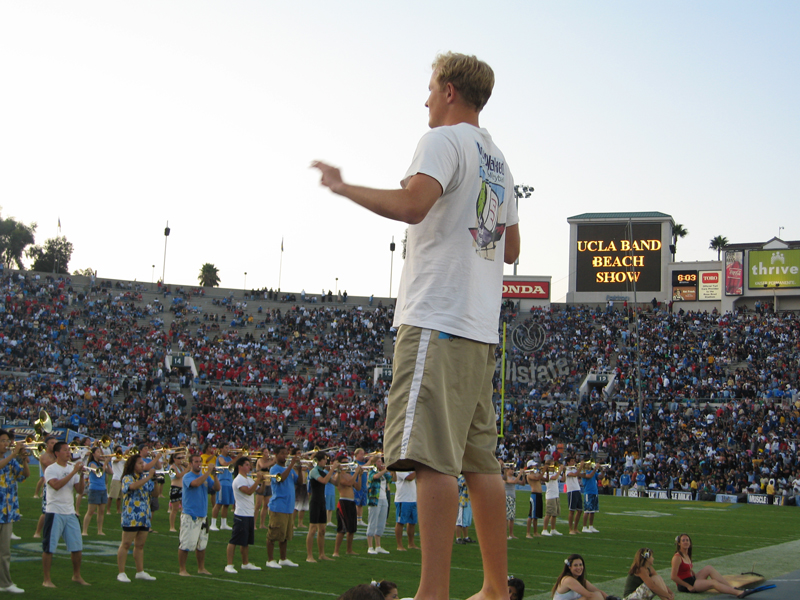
column 489, row 206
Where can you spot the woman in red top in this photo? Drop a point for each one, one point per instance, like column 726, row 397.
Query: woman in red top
column 687, row 580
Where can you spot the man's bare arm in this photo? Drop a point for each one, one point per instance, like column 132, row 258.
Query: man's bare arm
column 409, row 205
column 512, row 244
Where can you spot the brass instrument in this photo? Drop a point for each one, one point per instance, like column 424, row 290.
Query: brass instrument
column 105, row 441
column 98, row 471
column 171, row 472
column 43, row 426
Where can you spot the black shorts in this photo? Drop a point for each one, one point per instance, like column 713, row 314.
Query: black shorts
column 575, row 501
column 536, row 509
column 316, row 511
column 175, row 494
column 132, row 529
column 244, row 531
column 346, row 516
column 686, row 590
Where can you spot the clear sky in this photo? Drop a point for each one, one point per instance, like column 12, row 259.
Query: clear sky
column 120, row 116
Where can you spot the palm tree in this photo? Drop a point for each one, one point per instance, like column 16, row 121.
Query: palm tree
column 678, row 231
column 209, row 275
column 718, row 243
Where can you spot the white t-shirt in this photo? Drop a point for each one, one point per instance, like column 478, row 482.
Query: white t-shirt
column 573, row 483
column 60, row 501
column 245, row 505
column 551, row 488
column 117, row 467
column 406, row 490
column 453, row 274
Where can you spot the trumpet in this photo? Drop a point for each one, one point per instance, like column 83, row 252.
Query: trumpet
column 163, row 472
column 105, row 441
column 98, row 471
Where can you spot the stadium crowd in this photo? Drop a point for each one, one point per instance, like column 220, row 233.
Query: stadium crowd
column 94, row 356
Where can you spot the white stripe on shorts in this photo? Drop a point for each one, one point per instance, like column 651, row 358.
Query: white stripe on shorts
column 416, row 383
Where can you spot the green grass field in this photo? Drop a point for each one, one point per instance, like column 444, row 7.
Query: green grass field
column 732, row 537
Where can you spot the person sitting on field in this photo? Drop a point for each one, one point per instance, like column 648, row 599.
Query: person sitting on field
column 572, row 583
column 643, row 583
column 708, row 578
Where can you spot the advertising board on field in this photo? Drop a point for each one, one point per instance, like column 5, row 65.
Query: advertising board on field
column 757, row 499
column 681, row 495
column 658, row 494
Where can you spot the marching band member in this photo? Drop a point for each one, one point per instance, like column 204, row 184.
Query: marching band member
column 136, row 515
column 179, row 465
column 536, row 510
column 281, row 508
column 225, row 493
column 263, row 465
column 378, row 481
column 194, row 525
column 115, row 492
column 317, row 515
column 574, row 496
column 46, row 459
column 244, row 529
column 98, row 495
column 13, row 470
column 60, row 519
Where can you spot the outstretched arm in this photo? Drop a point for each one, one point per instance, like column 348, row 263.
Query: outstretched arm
column 409, row 205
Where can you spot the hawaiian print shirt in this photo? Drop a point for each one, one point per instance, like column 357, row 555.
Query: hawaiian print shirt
column 136, row 503
column 463, row 492
column 9, row 498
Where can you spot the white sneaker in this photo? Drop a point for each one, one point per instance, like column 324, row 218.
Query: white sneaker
column 361, row 522
column 380, row 550
column 213, row 527
column 273, row 565
column 13, row 589
column 230, row 569
column 586, row 530
column 372, row 551
column 330, row 525
column 14, row 536
column 224, row 525
column 593, row 530
column 145, row 576
column 123, row 578
column 554, row 532
column 546, row 533
column 287, row 563
column 250, row 567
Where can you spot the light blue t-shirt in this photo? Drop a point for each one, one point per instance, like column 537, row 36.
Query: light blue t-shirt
column 195, row 499
column 590, row 484
column 282, row 499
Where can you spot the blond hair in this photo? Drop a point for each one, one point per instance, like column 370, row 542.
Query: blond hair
column 473, row 78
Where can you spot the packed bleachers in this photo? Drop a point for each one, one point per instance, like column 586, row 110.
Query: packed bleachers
column 720, row 392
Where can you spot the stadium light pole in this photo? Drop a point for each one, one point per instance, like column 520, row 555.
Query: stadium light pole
column 391, row 265
column 153, row 276
column 779, row 231
column 244, row 287
column 521, row 191
column 336, row 288
column 164, row 268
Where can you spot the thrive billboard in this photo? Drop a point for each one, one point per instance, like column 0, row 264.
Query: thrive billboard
column 773, row 268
